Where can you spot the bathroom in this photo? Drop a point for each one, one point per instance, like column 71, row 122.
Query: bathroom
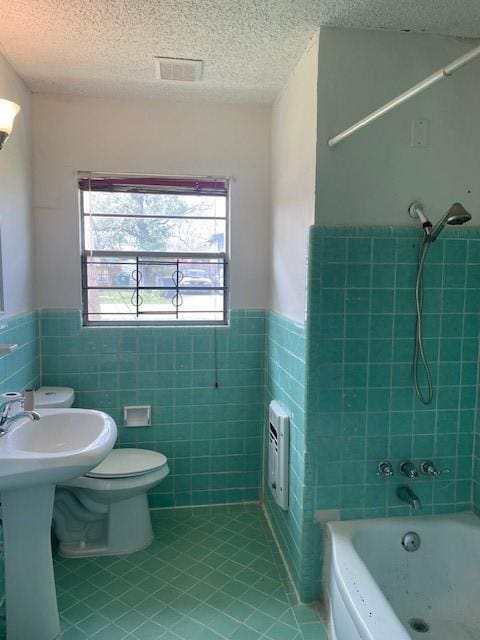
column 318, row 294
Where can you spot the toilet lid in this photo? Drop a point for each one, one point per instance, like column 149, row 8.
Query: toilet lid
column 121, row 463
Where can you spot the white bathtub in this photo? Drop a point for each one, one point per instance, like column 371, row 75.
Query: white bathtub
column 375, row 587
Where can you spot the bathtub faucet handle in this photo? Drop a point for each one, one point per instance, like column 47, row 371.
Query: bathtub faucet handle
column 408, row 469
column 385, row 469
column 429, row 469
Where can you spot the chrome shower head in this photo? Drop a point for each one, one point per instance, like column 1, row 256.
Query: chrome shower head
column 457, row 214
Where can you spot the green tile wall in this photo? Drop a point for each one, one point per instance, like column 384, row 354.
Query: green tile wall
column 362, row 405
column 476, row 466
column 285, row 382
column 476, row 474
column 21, row 368
column 212, row 436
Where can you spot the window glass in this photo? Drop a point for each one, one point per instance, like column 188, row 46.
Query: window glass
column 153, row 256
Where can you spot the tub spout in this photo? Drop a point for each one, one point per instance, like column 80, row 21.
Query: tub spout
column 405, row 494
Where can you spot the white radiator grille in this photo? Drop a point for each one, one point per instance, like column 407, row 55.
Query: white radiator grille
column 278, row 449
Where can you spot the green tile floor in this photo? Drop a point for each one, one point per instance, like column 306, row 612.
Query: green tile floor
column 212, row 573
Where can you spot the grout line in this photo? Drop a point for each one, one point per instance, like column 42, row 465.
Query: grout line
column 264, row 432
column 438, row 364
column 40, row 351
column 474, row 455
column 459, row 402
column 365, row 476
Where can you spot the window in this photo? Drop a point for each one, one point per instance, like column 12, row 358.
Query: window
column 154, row 249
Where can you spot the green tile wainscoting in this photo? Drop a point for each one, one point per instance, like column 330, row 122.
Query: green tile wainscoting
column 211, row 436
column 285, row 382
column 20, row 369
column 362, row 405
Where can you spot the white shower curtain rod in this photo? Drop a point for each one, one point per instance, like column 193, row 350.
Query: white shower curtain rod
column 442, row 73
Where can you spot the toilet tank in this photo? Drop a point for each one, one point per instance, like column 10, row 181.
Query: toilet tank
column 54, row 397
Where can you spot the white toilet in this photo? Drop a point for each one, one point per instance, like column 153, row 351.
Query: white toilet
column 54, row 397
column 104, row 512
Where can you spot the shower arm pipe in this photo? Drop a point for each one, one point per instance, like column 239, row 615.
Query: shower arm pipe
column 442, row 73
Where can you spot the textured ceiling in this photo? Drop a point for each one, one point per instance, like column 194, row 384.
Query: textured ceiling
column 106, row 47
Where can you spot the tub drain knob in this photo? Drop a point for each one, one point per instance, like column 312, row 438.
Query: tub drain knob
column 411, row 541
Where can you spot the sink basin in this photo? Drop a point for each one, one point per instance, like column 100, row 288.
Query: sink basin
column 34, row 456
column 63, row 444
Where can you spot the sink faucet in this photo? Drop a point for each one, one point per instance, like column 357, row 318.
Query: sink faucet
column 405, row 494
column 6, row 420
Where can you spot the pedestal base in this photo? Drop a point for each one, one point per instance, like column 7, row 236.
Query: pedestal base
column 31, row 601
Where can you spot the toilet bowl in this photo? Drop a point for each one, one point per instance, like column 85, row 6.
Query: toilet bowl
column 104, row 512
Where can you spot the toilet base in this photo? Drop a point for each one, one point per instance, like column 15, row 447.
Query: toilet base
column 73, row 550
column 126, row 527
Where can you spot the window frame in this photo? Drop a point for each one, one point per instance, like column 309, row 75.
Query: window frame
column 223, row 256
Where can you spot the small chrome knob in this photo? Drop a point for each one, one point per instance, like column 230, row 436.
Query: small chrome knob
column 408, row 469
column 385, row 469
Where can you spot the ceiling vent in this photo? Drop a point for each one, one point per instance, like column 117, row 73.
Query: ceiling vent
column 178, row 69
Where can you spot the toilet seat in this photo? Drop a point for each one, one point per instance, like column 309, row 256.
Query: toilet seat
column 125, row 463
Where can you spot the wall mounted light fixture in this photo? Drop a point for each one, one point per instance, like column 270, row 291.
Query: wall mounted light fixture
column 8, row 111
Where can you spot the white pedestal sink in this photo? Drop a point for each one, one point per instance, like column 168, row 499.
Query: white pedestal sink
column 34, row 456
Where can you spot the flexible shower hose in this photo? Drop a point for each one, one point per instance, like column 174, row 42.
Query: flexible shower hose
column 419, row 356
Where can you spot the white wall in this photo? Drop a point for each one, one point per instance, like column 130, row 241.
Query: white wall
column 294, row 123
column 139, row 136
column 372, row 177
column 15, row 198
